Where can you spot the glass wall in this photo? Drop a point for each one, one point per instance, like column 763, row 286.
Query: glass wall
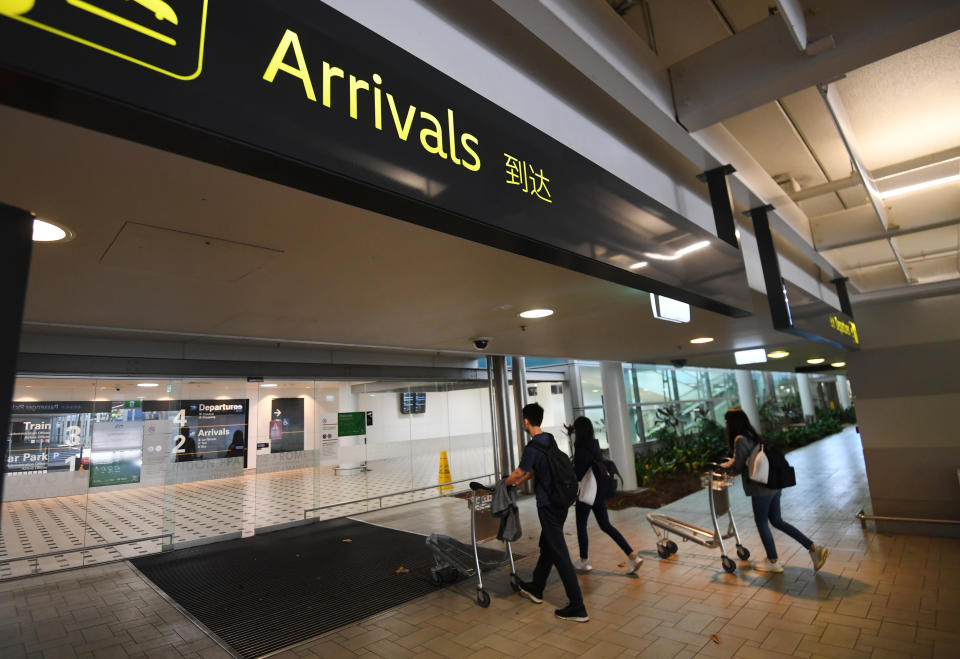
column 658, row 395
column 107, row 469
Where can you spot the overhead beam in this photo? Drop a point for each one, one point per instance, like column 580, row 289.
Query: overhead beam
column 762, row 63
column 887, row 235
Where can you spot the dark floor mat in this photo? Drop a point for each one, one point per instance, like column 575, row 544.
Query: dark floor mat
column 271, row 591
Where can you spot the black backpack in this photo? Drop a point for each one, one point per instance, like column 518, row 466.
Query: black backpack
column 563, row 480
column 781, row 474
column 608, row 478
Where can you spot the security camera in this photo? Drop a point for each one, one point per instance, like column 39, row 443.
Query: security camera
column 481, row 342
column 679, row 363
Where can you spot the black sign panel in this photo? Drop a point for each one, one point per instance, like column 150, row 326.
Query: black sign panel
column 301, row 82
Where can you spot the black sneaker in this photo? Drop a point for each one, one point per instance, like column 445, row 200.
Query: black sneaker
column 573, row 613
column 526, row 590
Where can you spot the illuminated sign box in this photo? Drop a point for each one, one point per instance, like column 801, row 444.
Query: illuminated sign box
column 753, row 356
column 665, row 308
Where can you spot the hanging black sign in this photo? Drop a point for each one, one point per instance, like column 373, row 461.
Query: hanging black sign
column 352, row 117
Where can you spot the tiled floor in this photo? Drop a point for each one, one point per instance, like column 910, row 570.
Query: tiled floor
column 205, row 509
column 878, row 596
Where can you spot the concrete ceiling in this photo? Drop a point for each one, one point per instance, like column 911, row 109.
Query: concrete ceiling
column 170, row 247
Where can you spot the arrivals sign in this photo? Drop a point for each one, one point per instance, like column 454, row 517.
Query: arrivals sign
column 298, row 93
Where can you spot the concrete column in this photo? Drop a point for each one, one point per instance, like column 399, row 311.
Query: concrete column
column 748, row 397
column 16, row 247
column 519, row 367
column 843, row 392
column 508, row 461
column 619, row 435
column 806, row 396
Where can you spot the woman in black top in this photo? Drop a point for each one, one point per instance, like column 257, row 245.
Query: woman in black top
column 586, row 453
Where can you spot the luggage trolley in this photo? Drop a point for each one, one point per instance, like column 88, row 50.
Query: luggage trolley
column 718, row 483
column 454, row 556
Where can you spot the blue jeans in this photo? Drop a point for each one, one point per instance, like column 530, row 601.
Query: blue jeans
column 767, row 509
column 603, row 520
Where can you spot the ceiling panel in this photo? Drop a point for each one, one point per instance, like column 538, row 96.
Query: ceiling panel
column 821, row 205
column 934, row 269
column 744, row 13
column 925, row 243
column 767, row 134
column 938, row 204
column 865, row 255
column 875, row 279
column 905, row 106
column 809, row 112
column 684, row 27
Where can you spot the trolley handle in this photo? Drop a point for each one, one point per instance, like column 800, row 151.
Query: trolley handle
column 476, row 487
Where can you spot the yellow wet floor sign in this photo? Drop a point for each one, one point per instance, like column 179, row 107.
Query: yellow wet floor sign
column 444, row 475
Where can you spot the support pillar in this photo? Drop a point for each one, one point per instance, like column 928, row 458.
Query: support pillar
column 619, row 435
column 16, row 245
column 507, row 462
column 519, row 367
column 748, row 397
column 806, row 396
column 843, row 392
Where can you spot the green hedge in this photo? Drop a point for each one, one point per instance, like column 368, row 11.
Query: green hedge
column 679, row 451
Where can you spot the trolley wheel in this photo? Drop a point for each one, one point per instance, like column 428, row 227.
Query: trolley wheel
column 728, row 564
column 671, row 546
column 515, row 583
column 663, row 551
column 483, row 598
column 743, row 552
column 436, row 578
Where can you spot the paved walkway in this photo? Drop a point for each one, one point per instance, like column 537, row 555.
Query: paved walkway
column 878, row 595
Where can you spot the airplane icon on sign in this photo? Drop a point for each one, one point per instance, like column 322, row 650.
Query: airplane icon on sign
column 161, row 11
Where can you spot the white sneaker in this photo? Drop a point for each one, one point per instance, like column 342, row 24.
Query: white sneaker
column 766, row 565
column 818, row 554
column 582, row 566
column 633, row 562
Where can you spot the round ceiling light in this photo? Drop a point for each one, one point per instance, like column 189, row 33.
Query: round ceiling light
column 838, row 364
column 45, row 231
column 778, row 354
column 536, row 313
column 148, row 384
column 702, row 339
column 816, row 360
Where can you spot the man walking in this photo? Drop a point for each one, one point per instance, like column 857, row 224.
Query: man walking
column 553, row 546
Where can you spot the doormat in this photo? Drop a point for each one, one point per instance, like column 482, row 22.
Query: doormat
column 272, row 591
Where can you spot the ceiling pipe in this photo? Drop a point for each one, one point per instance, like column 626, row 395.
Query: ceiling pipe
column 831, row 97
column 890, row 233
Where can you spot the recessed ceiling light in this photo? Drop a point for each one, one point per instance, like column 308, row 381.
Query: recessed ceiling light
column 778, row 354
column 536, row 313
column 702, row 339
column 638, row 265
column 838, row 364
column 816, row 360
column 148, row 384
column 45, row 231
column 906, row 189
column 268, row 384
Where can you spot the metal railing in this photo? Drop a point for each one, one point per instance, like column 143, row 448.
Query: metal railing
column 60, row 552
column 381, row 497
column 883, row 518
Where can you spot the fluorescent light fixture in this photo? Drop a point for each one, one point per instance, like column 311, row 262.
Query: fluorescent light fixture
column 916, row 187
column 838, row 364
column 665, row 308
column 148, row 384
column 680, row 253
column 702, row 339
column 753, row 356
column 536, row 313
column 638, row 265
column 816, row 360
column 778, row 354
column 268, row 384
column 48, row 232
